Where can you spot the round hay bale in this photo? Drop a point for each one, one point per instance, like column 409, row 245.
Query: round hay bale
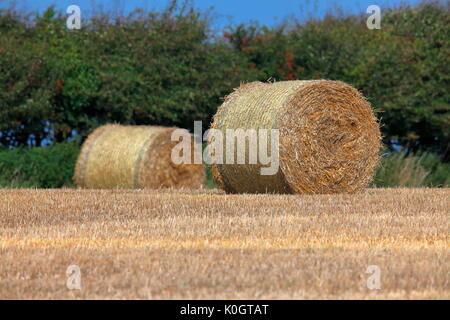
column 130, row 157
column 329, row 137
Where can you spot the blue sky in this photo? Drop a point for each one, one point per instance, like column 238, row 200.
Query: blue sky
column 266, row 12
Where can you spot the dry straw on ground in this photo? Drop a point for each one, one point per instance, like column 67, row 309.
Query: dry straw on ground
column 329, row 137
column 201, row 244
column 117, row 156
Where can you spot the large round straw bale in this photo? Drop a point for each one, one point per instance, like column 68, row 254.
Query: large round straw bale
column 329, row 138
column 116, row 156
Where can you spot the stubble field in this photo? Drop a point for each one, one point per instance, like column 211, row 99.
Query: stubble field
column 208, row 245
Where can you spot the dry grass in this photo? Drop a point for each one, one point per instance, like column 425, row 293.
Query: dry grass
column 205, row 244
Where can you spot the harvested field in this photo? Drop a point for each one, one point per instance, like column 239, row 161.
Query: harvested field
column 207, row 245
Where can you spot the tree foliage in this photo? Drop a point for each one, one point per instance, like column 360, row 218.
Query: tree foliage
column 169, row 68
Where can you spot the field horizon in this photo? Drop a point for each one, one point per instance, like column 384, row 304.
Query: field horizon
column 204, row 244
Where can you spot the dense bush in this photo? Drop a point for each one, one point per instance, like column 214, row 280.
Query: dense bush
column 156, row 68
column 41, row 167
column 422, row 170
column 403, row 68
column 169, row 68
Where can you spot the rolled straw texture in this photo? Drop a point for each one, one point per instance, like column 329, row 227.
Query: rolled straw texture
column 130, row 157
column 329, row 137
